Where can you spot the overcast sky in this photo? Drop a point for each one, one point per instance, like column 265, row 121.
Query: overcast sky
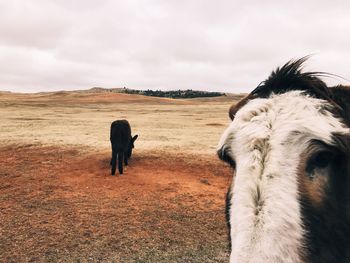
column 229, row 46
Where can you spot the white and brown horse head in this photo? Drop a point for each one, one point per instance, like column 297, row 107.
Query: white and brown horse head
column 289, row 146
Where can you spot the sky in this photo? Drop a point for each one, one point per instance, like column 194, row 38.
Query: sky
column 228, row 46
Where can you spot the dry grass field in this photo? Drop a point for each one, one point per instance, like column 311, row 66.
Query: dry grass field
column 59, row 203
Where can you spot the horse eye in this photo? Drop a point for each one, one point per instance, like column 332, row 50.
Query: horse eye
column 320, row 160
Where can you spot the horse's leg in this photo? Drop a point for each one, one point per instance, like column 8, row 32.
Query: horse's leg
column 114, row 162
column 120, row 162
column 126, row 159
column 112, row 155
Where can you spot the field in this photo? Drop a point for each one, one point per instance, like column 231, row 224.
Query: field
column 59, row 203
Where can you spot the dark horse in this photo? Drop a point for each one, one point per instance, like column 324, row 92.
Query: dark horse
column 122, row 144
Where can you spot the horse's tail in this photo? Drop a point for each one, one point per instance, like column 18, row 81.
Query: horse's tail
column 120, row 162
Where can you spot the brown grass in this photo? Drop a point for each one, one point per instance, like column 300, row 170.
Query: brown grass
column 58, row 201
column 166, row 124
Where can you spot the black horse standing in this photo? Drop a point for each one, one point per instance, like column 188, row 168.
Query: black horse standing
column 122, row 144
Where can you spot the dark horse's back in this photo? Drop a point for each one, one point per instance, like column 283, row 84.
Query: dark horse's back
column 120, row 137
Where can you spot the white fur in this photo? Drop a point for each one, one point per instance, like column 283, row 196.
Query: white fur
column 266, row 139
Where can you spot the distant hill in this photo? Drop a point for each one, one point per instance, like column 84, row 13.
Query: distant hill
column 174, row 94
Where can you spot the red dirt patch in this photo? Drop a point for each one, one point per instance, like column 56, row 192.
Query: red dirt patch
column 63, row 205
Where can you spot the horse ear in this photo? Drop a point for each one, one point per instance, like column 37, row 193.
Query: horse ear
column 231, row 112
column 341, row 96
column 235, row 107
column 134, row 138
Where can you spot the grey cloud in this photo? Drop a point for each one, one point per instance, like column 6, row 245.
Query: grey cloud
column 224, row 46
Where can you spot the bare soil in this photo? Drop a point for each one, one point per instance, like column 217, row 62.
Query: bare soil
column 62, row 205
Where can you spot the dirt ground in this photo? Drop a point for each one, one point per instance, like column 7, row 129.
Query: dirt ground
column 59, row 203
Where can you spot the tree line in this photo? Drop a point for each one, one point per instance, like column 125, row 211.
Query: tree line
column 175, row 94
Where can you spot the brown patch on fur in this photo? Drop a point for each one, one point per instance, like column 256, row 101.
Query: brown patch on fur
column 312, row 188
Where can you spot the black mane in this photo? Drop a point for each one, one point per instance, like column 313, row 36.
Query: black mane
column 290, row 77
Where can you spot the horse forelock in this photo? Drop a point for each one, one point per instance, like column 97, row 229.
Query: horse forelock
column 290, row 77
column 266, row 141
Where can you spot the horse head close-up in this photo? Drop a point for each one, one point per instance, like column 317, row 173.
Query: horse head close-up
column 289, row 147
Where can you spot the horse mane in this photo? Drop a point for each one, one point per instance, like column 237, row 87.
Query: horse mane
column 291, row 77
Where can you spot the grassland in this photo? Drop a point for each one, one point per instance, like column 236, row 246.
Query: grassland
column 58, row 202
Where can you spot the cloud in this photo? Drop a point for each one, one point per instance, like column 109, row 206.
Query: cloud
column 222, row 46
